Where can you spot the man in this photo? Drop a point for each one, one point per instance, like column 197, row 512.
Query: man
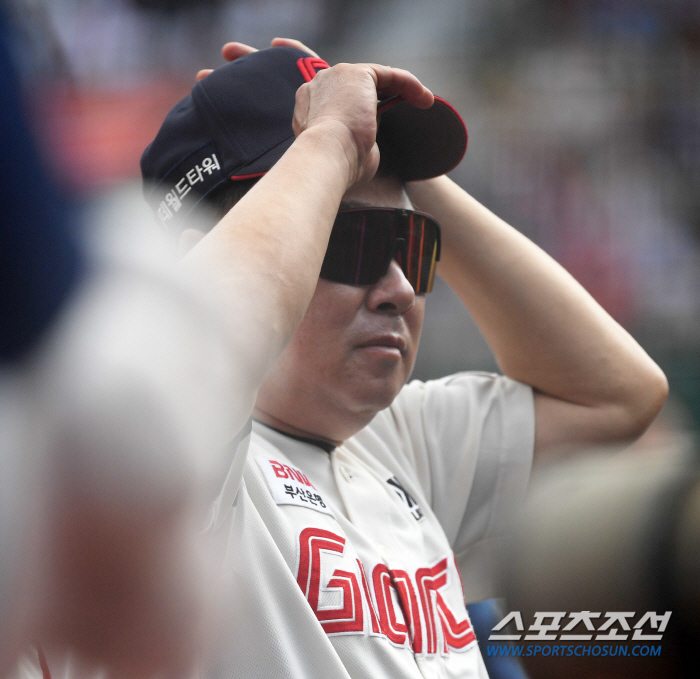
column 123, row 406
column 364, row 500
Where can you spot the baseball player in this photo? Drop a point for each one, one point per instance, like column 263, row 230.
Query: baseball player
column 123, row 409
column 369, row 509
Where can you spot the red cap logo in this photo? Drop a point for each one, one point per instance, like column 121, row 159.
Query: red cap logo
column 310, row 66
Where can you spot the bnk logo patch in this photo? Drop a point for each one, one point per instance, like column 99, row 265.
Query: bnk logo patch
column 290, row 486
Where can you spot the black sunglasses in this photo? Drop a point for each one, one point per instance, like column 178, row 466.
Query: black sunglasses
column 365, row 240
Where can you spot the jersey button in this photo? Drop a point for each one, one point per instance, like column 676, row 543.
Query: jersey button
column 346, row 473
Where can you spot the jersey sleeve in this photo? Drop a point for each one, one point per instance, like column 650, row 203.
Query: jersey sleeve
column 470, row 438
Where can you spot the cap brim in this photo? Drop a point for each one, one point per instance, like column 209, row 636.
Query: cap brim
column 420, row 143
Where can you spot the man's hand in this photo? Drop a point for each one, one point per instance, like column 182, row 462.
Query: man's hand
column 342, row 100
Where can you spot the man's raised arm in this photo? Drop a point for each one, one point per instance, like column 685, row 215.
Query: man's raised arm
column 593, row 383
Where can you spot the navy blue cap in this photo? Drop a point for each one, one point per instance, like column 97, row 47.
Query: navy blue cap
column 237, row 123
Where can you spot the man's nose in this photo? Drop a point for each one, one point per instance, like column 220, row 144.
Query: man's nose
column 392, row 293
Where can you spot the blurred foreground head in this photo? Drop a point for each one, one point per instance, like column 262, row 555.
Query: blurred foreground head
column 101, row 352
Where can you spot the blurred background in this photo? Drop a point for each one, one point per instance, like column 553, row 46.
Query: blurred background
column 584, row 122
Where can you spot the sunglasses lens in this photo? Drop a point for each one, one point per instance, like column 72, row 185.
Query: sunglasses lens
column 421, row 251
column 360, row 247
column 364, row 241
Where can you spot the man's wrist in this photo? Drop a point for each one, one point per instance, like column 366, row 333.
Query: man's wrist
column 334, row 139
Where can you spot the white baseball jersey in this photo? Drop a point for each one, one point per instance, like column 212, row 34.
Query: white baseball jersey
column 346, row 563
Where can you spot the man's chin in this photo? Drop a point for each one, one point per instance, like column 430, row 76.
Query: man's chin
column 378, row 393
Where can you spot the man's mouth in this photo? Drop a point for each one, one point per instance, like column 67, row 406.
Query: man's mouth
column 388, row 342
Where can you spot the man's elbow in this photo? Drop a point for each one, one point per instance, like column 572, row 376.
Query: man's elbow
column 644, row 402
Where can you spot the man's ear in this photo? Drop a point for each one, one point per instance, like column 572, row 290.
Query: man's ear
column 188, row 239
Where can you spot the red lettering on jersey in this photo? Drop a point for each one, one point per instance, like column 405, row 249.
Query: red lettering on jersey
column 396, row 611
column 349, row 618
column 456, row 634
column 409, row 606
column 376, row 629
column 309, row 66
column 460, row 634
column 311, row 541
column 394, row 630
column 429, row 580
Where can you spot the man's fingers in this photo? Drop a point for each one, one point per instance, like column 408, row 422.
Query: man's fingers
column 290, row 42
column 233, row 50
column 202, row 74
column 396, row 81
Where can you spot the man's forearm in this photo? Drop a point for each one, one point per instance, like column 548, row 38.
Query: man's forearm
column 267, row 244
column 543, row 327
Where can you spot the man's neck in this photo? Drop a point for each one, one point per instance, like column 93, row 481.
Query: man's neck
column 285, row 427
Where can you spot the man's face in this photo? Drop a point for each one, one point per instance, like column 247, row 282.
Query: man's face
column 354, row 349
